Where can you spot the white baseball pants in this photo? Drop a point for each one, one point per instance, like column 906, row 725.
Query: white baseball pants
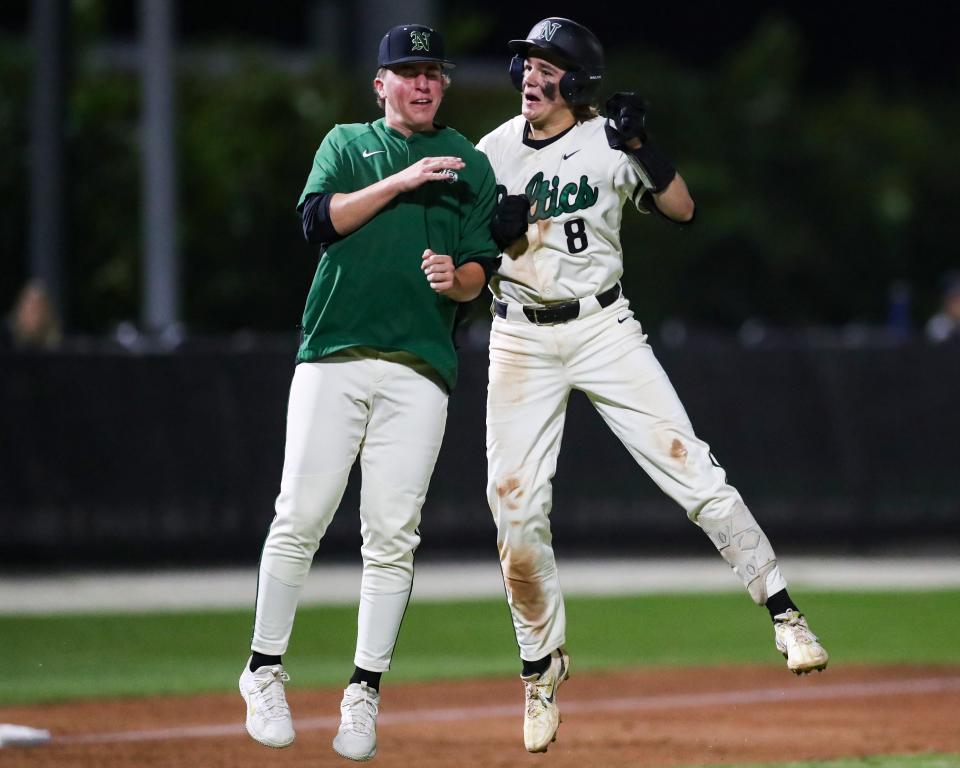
column 391, row 409
column 604, row 354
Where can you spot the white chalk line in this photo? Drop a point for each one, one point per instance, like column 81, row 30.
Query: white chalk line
column 627, row 704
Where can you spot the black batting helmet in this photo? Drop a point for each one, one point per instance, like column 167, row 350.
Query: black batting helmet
column 574, row 46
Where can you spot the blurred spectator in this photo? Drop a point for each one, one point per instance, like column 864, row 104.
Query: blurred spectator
column 899, row 296
column 945, row 324
column 32, row 322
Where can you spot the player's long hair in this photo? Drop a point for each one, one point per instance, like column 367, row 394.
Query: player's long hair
column 584, row 112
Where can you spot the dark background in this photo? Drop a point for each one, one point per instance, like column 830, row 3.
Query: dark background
column 907, row 46
column 819, row 142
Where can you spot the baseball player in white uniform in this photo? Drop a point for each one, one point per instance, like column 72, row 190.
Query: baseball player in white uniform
column 561, row 323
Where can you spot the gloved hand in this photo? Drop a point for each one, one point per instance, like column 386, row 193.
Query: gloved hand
column 509, row 221
column 626, row 119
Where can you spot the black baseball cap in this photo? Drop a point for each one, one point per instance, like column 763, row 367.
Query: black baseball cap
column 409, row 43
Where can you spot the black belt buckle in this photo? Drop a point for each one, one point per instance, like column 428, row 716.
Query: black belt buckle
column 559, row 313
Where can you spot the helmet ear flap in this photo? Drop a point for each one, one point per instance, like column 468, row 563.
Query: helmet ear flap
column 569, row 88
column 574, row 88
column 516, row 71
column 578, row 87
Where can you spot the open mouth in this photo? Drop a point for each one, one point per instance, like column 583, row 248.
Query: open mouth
column 422, row 102
column 531, row 98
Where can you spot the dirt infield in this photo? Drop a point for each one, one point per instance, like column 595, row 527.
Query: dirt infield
column 647, row 717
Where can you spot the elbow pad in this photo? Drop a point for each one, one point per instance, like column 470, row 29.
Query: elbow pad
column 317, row 226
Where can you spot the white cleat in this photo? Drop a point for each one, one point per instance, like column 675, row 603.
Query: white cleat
column 356, row 737
column 268, row 716
column 541, row 717
column 799, row 646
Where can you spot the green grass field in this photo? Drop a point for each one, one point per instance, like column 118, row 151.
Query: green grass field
column 53, row 658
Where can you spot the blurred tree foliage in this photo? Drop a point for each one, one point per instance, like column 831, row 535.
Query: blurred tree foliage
column 246, row 144
column 810, row 203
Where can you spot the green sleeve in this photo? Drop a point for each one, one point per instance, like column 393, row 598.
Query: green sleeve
column 327, row 167
column 476, row 242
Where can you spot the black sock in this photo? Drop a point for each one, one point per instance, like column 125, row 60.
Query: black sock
column 258, row 660
column 780, row 603
column 372, row 679
column 535, row 667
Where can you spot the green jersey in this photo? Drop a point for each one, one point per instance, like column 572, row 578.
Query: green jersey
column 369, row 289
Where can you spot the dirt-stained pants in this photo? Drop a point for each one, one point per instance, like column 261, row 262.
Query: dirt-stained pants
column 604, row 354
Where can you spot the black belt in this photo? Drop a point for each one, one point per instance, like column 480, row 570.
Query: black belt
column 558, row 313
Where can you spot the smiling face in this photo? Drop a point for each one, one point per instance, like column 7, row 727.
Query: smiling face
column 411, row 94
column 543, row 106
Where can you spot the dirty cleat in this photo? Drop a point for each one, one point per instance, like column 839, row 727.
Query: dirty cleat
column 268, row 716
column 356, row 738
column 799, row 646
column 541, row 717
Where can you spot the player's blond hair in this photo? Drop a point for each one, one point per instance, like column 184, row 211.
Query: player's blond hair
column 444, row 78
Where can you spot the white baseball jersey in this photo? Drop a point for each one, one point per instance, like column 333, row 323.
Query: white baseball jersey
column 577, row 186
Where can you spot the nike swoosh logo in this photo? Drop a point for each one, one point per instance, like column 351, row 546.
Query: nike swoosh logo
column 556, row 684
column 567, row 157
column 375, row 152
column 622, row 319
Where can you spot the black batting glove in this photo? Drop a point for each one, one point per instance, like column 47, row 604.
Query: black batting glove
column 627, row 119
column 509, row 221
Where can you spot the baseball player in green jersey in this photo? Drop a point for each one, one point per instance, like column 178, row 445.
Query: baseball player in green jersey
column 561, row 323
column 402, row 208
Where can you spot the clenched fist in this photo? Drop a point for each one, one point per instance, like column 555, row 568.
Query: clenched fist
column 439, row 270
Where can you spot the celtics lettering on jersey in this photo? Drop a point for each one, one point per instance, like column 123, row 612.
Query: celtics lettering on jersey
column 549, row 200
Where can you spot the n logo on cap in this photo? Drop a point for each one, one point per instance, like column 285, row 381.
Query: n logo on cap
column 420, row 41
column 546, row 30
